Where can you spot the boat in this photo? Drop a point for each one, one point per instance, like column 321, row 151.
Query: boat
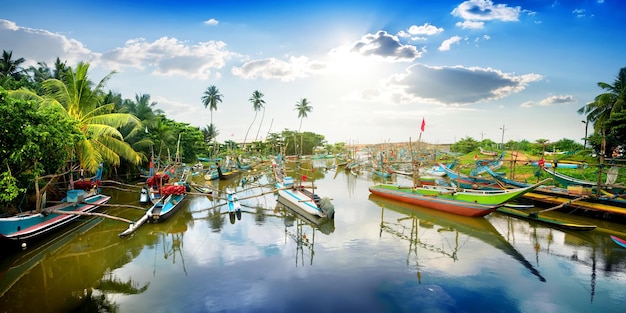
column 212, row 174
column 234, row 207
column 473, row 182
column 483, row 165
column 467, row 202
column 559, row 164
column 619, row 241
column 534, row 216
column 487, row 152
column 298, row 196
column 30, row 225
column 172, row 197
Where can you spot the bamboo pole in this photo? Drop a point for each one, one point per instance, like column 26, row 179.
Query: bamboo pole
column 88, row 214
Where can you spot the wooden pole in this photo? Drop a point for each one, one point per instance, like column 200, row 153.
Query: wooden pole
column 88, row 214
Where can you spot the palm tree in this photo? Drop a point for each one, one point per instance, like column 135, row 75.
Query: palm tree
column 607, row 104
column 10, row 67
column 303, row 107
column 209, row 133
column 262, row 104
column 257, row 104
column 210, row 98
column 607, row 110
column 81, row 101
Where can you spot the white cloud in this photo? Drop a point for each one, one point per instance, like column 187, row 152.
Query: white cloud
column 470, row 25
column 566, row 99
column 386, row 47
column 36, row 45
column 425, row 29
column 445, row 45
column 485, row 10
column 211, row 22
column 272, row 68
column 169, row 56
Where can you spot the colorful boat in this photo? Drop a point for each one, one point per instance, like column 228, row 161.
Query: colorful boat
column 619, row 241
column 467, row 202
column 29, row 225
column 299, row 197
column 465, row 181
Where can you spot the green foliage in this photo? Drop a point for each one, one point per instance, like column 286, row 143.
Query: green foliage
column 465, row 145
column 35, row 140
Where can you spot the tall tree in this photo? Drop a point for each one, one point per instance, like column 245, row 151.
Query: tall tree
column 10, row 67
column 262, row 104
column 303, row 107
column 257, row 103
column 210, row 98
column 82, row 102
column 602, row 112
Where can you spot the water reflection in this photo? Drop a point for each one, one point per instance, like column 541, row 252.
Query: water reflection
column 442, row 223
column 301, row 230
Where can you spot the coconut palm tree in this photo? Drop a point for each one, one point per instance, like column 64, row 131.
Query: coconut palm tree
column 257, row 104
column 76, row 96
column 9, row 67
column 607, row 104
column 262, row 104
column 303, row 107
column 210, row 98
column 606, row 112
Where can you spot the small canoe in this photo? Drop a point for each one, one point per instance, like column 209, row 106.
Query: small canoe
column 518, row 206
column 619, row 241
column 553, row 222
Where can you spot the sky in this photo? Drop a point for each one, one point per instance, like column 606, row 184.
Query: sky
column 371, row 70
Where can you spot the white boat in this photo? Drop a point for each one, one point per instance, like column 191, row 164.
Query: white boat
column 298, row 197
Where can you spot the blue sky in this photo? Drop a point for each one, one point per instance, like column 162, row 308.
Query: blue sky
column 371, row 70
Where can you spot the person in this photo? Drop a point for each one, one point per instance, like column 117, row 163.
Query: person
column 219, row 170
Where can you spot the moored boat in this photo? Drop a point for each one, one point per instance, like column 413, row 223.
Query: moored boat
column 300, row 197
column 467, row 202
column 29, row 225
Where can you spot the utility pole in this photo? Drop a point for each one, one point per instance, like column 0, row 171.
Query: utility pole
column 502, row 141
column 586, row 126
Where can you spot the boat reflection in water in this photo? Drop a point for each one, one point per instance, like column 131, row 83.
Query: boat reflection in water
column 71, row 269
column 416, row 217
column 301, row 228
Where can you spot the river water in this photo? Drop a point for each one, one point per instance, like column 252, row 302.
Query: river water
column 376, row 256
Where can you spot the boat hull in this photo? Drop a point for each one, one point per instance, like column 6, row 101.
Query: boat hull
column 297, row 199
column 30, row 226
column 434, row 202
column 166, row 208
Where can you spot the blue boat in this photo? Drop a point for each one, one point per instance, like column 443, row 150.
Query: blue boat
column 30, row 225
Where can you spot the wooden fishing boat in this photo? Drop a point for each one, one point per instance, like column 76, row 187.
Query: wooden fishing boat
column 172, row 197
column 300, row 197
column 467, row 202
column 619, row 241
column 465, row 181
column 487, row 152
column 29, row 225
column 483, row 165
column 545, row 220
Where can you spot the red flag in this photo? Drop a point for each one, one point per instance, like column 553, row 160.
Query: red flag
column 303, row 177
column 423, row 124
